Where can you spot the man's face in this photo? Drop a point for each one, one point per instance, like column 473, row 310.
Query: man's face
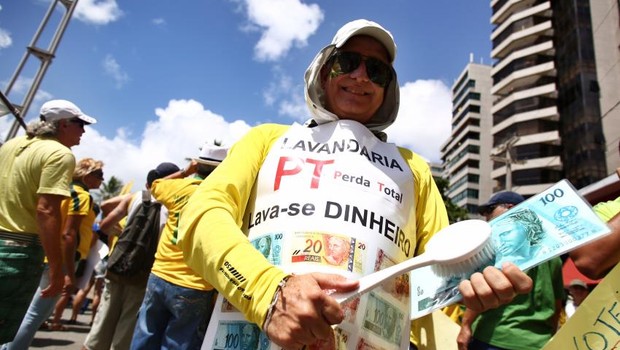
column 352, row 95
column 69, row 131
column 94, row 179
column 496, row 211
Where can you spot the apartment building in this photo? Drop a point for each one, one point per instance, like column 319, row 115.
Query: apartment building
column 606, row 32
column 546, row 122
column 465, row 155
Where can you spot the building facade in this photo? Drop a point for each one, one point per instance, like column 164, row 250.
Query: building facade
column 606, row 32
column 546, row 117
column 465, row 155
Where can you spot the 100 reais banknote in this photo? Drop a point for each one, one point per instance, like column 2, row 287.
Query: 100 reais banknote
column 544, row 226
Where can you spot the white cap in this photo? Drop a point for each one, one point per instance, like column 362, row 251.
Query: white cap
column 366, row 27
column 211, row 154
column 62, row 109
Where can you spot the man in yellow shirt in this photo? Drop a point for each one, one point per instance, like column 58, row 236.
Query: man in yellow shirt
column 333, row 176
column 34, row 179
column 78, row 215
column 178, row 302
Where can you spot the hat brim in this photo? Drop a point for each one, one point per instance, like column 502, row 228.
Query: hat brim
column 207, row 161
column 87, row 119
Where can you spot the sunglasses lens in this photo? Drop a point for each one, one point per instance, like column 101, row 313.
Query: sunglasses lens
column 377, row 71
column 98, row 174
column 348, row 61
column 79, row 122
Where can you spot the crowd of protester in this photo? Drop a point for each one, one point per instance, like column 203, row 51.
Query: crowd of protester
column 57, row 244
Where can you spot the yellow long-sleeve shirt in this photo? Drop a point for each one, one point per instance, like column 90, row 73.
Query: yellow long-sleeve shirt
column 212, row 232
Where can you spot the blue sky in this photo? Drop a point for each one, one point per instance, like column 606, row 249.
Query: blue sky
column 162, row 77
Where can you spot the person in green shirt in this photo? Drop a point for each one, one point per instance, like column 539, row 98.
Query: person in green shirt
column 530, row 320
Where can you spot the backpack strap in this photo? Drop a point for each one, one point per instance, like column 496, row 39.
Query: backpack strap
column 146, row 196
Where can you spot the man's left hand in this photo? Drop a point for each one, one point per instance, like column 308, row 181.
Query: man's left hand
column 493, row 287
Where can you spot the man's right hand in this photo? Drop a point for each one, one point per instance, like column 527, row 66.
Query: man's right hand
column 304, row 312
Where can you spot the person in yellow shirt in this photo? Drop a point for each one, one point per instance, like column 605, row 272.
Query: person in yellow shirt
column 116, row 316
column 78, row 216
column 334, row 176
column 36, row 173
column 596, row 259
column 178, row 302
column 89, row 177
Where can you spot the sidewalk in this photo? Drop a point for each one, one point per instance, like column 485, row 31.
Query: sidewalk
column 71, row 339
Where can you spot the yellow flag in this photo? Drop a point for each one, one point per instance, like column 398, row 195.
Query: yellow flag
column 127, row 188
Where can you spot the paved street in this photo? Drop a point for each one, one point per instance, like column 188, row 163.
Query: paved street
column 71, row 339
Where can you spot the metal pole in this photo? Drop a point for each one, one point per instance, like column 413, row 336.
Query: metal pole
column 45, row 56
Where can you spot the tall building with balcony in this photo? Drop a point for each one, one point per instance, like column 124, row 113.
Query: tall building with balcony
column 465, row 155
column 546, row 117
column 606, row 32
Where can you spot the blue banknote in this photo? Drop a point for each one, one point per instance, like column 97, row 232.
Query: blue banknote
column 239, row 335
column 270, row 246
column 544, row 226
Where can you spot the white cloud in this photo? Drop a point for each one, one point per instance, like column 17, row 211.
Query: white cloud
column 21, row 86
column 180, row 128
column 283, row 23
column 295, row 107
column 159, row 21
column 5, row 39
column 16, row 97
column 289, row 96
column 424, row 118
column 5, row 125
column 99, row 12
column 113, row 69
column 176, row 134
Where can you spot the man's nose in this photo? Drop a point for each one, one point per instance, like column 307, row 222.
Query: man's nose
column 360, row 72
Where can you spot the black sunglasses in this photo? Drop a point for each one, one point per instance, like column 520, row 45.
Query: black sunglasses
column 344, row 62
column 78, row 121
column 490, row 208
column 98, row 174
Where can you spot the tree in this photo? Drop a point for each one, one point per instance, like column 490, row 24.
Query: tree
column 111, row 188
column 455, row 213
